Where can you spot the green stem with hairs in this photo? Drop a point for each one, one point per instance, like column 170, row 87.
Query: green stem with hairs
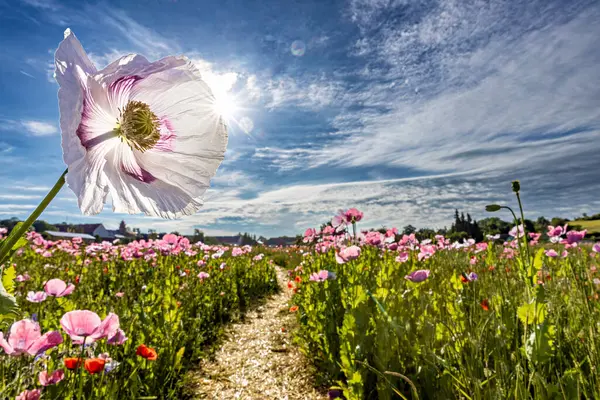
column 20, row 230
column 523, row 223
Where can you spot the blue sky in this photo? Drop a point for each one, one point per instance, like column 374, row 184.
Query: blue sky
column 405, row 109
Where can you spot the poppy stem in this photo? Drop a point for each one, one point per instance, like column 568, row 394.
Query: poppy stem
column 20, row 229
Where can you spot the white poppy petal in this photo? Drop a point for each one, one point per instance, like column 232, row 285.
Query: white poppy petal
column 135, row 65
column 72, row 67
column 88, row 180
column 98, row 117
column 134, row 190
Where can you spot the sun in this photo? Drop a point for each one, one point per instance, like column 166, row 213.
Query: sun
column 225, row 105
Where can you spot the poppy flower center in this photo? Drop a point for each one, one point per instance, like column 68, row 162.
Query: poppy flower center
column 138, row 126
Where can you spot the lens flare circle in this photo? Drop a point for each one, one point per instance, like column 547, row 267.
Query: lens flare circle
column 298, row 48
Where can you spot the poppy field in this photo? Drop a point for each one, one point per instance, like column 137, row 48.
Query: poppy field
column 109, row 321
column 386, row 316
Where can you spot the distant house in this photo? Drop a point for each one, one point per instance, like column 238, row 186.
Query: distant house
column 95, row 230
column 230, row 240
column 280, row 241
column 68, row 235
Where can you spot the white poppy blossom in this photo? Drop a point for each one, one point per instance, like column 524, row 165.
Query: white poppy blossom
column 146, row 133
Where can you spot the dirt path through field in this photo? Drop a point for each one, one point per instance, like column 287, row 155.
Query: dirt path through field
column 257, row 360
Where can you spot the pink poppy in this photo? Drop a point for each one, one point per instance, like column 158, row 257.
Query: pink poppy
column 25, row 337
column 237, row 252
column 23, row 278
column 309, row 235
column 203, row 275
column 556, row 232
column 47, row 380
column 339, row 221
column 402, row 257
column 551, row 253
column 86, row 324
column 58, row 288
column 347, row 254
column 426, row 251
column 596, row 248
column 118, row 338
column 29, row 395
column 353, row 215
column 517, row 231
column 418, row 276
column 119, row 294
column 320, row 276
column 36, row 297
column 575, row 236
column 170, row 238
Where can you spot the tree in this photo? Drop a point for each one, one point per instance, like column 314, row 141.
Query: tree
column 409, row 229
column 123, row 228
column 198, row 236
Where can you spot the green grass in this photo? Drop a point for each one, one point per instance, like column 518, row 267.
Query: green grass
column 591, row 226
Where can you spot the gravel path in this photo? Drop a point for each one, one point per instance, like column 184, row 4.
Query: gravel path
column 257, row 360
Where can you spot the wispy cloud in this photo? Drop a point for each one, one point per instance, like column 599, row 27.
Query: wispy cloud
column 42, row 4
column 29, row 126
column 40, row 128
column 27, row 74
column 30, row 188
column 19, row 197
column 149, row 41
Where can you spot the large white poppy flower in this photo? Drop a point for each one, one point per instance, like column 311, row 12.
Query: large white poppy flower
column 146, row 133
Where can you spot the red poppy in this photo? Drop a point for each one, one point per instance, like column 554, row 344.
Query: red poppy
column 290, row 285
column 77, row 279
column 298, row 279
column 187, row 271
column 146, row 352
column 105, row 270
column 72, row 362
column 485, row 304
column 295, row 290
column 94, row 365
column 491, row 268
column 293, row 308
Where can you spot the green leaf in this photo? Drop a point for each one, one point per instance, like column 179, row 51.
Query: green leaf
column 528, row 315
column 540, row 345
column 178, row 358
column 8, row 279
column 8, row 303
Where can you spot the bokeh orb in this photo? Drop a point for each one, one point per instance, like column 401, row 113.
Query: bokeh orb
column 246, row 124
column 298, row 48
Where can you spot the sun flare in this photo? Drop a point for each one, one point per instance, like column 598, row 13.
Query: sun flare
column 225, row 105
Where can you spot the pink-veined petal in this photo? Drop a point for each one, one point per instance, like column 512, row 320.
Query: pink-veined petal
column 70, row 288
column 47, row 341
column 80, row 323
column 55, row 287
column 5, row 345
column 108, row 327
column 23, row 335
